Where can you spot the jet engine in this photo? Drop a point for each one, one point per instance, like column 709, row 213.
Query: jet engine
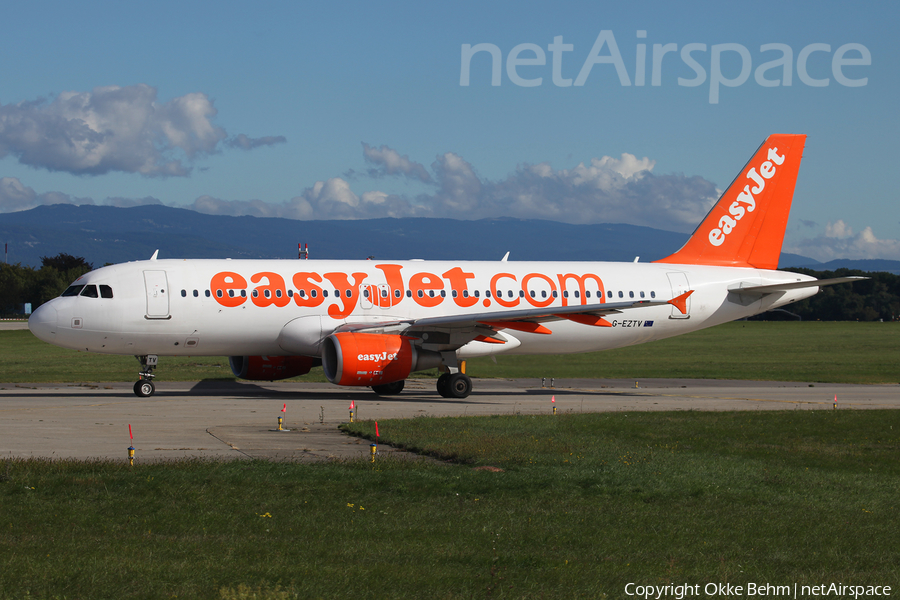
column 373, row 358
column 271, row 368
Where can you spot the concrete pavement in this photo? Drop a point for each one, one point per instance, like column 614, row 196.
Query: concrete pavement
column 216, row 419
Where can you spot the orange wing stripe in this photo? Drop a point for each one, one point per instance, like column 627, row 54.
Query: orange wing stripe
column 488, row 340
column 586, row 320
column 525, row 326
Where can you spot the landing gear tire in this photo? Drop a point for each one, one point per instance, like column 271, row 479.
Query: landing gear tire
column 389, row 389
column 459, row 385
column 443, row 385
column 144, row 388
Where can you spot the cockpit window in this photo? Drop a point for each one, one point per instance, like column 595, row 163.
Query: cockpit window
column 90, row 291
column 105, row 291
column 73, row 290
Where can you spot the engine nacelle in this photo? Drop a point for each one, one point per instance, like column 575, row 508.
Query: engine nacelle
column 373, row 358
column 271, row 368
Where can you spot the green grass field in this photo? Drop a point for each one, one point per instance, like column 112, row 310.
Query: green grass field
column 831, row 352
column 575, row 506
column 570, row 506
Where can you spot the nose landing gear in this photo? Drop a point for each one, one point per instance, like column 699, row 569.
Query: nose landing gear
column 144, row 387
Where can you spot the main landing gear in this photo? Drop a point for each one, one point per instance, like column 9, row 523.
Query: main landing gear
column 144, row 387
column 454, row 385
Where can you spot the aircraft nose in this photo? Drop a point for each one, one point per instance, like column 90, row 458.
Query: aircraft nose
column 42, row 322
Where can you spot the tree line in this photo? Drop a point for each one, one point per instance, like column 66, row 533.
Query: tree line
column 20, row 285
column 873, row 299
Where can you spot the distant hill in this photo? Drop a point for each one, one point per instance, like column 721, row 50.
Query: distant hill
column 105, row 234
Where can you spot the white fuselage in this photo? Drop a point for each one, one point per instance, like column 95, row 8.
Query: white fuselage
column 255, row 307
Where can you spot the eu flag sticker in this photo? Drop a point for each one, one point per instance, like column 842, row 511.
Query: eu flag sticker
column 648, row 323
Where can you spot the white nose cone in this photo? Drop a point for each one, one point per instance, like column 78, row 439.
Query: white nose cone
column 42, row 323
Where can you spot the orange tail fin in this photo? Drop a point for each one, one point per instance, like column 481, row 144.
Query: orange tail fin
column 746, row 226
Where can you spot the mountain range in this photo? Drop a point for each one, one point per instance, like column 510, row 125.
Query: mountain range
column 105, row 234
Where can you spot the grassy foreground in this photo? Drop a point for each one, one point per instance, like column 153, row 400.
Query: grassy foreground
column 832, row 352
column 575, row 506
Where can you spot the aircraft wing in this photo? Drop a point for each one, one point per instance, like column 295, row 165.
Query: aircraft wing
column 746, row 288
column 526, row 320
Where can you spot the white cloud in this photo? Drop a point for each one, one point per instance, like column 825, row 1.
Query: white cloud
column 115, row 129
column 15, row 196
column 839, row 241
column 601, row 190
column 388, row 161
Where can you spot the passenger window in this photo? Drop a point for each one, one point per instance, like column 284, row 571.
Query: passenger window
column 653, row 294
column 521, row 293
column 365, row 293
column 609, row 294
column 587, row 294
column 207, row 293
column 543, row 293
column 278, row 293
column 409, row 293
column 565, row 294
column 454, row 294
column 347, row 293
column 73, row 290
column 576, row 294
column 254, row 293
column 476, row 293
column 397, row 294
column 642, row 294
column 290, row 293
column 419, row 293
column 631, row 294
column 106, row 291
column 621, row 295
column 324, row 293
column 184, row 293
column 90, row 291
column 196, row 293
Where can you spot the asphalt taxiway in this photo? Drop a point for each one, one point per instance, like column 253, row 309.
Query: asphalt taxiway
column 216, row 419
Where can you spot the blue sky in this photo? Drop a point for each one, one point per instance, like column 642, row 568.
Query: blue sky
column 357, row 110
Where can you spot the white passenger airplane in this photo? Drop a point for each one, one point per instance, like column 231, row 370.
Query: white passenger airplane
column 372, row 323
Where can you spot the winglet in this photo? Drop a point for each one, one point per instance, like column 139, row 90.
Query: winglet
column 155, row 254
column 746, row 226
column 680, row 302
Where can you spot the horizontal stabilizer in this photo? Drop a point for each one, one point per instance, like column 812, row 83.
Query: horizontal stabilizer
column 745, row 288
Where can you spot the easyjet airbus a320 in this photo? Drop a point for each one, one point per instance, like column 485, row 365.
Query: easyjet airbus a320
column 372, row 323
